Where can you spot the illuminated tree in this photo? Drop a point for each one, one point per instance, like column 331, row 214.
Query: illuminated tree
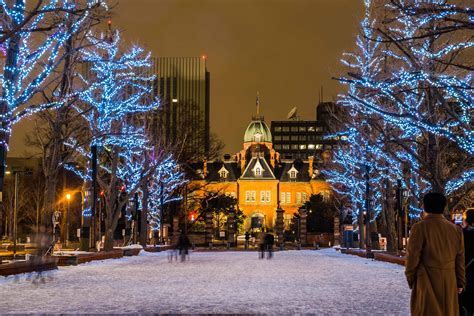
column 409, row 87
column 162, row 186
column 116, row 92
column 33, row 40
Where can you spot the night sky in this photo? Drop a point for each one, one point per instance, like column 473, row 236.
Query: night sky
column 285, row 49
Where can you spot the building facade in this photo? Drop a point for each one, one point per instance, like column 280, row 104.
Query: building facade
column 297, row 139
column 183, row 85
column 260, row 179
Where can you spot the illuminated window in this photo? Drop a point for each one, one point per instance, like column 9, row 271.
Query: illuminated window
column 302, row 147
column 267, row 197
column 258, row 171
column 262, row 196
column 248, row 196
column 254, row 194
column 298, row 198
column 303, row 197
column 326, row 195
column 293, row 174
column 288, row 197
column 282, row 197
column 311, row 146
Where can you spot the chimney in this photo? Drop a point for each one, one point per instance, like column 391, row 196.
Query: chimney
column 272, row 159
column 204, row 168
column 310, row 166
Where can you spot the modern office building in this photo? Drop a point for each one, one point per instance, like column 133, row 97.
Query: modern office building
column 297, row 139
column 183, row 85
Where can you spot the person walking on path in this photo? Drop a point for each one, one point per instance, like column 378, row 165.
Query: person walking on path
column 467, row 297
column 183, row 246
column 261, row 244
column 269, row 241
column 435, row 268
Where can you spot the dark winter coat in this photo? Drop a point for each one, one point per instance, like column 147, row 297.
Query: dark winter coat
column 269, row 240
column 435, row 266
column 467, row 298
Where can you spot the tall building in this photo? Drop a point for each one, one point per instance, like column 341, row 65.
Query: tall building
column 295, row 139
column 183, row 85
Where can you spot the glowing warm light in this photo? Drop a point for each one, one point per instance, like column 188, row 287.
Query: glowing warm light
column 204, row 56
column 68, row 196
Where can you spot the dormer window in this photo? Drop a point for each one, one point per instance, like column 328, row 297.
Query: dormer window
column 258, row 169
column 293, row 173
column 223, row 173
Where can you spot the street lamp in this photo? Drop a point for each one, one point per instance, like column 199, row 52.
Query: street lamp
column 68, row 199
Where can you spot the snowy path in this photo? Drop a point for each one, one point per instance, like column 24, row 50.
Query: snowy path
column 219, row 282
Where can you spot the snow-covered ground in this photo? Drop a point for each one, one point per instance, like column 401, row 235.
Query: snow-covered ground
column 216, row 282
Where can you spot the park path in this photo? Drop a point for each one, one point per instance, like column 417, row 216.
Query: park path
column 216, row 282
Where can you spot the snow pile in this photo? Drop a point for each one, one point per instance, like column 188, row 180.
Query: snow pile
column 134, row 246
column 320, row 282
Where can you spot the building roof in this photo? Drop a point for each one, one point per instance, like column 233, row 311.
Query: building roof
column 258, row 162
column 302, row 175
column 257, row 131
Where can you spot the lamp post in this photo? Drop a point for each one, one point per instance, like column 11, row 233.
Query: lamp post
column 15, row 210
column 162, row 188
column 368, row 244
column 68, row 199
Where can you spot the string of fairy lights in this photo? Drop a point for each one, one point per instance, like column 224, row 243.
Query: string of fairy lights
column 405, row 91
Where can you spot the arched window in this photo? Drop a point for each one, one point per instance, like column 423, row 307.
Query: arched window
column 258, row 171
column 293, row 174
column 223, row 174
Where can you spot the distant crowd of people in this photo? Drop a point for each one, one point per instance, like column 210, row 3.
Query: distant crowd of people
column 440, row 267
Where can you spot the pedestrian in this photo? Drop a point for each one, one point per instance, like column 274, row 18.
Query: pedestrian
column 261, row 244
column 183, row 246
column 435, row 261
column 247, row 238
column 467, row 296
column 269, row 241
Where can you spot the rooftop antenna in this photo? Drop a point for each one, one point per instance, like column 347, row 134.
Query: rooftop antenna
column 292, row 114
column 257, row 103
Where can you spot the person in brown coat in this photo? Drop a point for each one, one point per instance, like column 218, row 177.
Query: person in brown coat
column 435, row 261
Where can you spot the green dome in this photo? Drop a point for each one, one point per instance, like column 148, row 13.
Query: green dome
column 258, row 131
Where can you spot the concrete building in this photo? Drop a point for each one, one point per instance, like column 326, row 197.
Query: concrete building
column 297, row 139
column 183, row 85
